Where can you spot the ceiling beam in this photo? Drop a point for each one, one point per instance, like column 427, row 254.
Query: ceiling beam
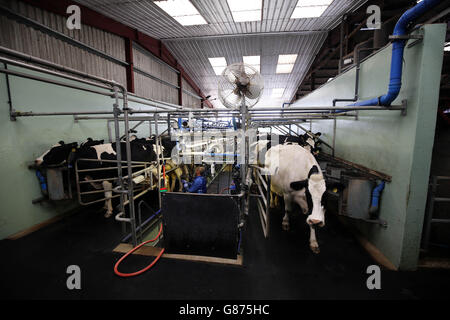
column 240, row 35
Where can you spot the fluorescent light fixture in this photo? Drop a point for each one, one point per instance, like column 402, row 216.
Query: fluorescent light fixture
column 218, row 64
column 277, row 92
column 310, row 8
column 447, row 46
column 308, row 12
column 243, row 16
column 244, row 5
column 245, row 10
column 287, row 58
column 182, row 11
column 286, row 63
column 305, row 3
column 285, row 68
column 254, row 61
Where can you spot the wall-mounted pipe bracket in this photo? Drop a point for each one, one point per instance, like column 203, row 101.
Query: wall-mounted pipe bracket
column 381, row 222
column 404, row 107
column 12, row 115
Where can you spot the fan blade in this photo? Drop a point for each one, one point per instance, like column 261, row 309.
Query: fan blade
column 232, row 76
column 253, row 91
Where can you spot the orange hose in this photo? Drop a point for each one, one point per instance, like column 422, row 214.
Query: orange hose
column 121, row 274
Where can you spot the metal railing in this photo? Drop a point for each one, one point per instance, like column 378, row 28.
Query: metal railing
column 432, row 200
column 112, row 178
column 262, row 182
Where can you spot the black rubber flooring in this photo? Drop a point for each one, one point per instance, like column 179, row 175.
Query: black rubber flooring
column 281, row 267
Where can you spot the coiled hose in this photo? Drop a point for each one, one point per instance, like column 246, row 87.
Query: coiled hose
column 121, row 274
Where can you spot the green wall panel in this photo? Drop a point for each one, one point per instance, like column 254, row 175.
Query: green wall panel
column 27, row 138
column 386, row 141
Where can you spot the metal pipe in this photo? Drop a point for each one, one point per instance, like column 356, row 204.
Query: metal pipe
column 157, row 159
column 116, row 113
column 55, row 82
column 8, row 90
column 50, row 64
column 125, row 111
column 143, row 118
column 29, row 58
column 331, row 108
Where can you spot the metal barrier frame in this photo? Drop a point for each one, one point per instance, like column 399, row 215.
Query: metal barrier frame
column 257, row 117
column 263, row 198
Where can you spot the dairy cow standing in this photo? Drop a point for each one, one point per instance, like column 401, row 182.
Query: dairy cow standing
column 297, row 177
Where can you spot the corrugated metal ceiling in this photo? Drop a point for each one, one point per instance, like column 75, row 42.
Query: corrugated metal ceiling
column 195, row 53
column 275, row 34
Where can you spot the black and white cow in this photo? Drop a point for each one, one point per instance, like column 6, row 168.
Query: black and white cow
column 297, row 177
column 142, row 150
column 58, row 154
column 309, row 141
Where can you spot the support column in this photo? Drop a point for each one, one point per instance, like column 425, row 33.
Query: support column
column 130, row 67
column 180, row 86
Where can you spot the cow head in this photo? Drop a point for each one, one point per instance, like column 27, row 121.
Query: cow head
column 58, row 154
column 315, row 188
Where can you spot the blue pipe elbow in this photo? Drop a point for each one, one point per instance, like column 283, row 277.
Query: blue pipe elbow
column 374, row 206
column 398, row 46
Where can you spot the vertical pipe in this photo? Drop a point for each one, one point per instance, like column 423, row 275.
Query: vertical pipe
column 334, row 135
column 158, row 160
column 244, row 166
column 116, row 113
column 8, row 88
column 129, row 169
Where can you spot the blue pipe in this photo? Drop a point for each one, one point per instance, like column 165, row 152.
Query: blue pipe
column 376, row 198
column 285, row 103
column 398, row 46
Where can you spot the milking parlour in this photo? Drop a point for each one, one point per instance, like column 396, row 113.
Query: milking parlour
column 222, row 159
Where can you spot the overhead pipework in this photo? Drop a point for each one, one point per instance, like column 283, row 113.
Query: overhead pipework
column 399, row 39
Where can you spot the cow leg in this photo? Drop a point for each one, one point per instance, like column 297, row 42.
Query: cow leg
column 171, row 182
column 107, row 187
column 272, row 200
column 312, row 240
column 276, row 200
column 287, row 209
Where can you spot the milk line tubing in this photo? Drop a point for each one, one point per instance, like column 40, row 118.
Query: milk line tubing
column 162, row 111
